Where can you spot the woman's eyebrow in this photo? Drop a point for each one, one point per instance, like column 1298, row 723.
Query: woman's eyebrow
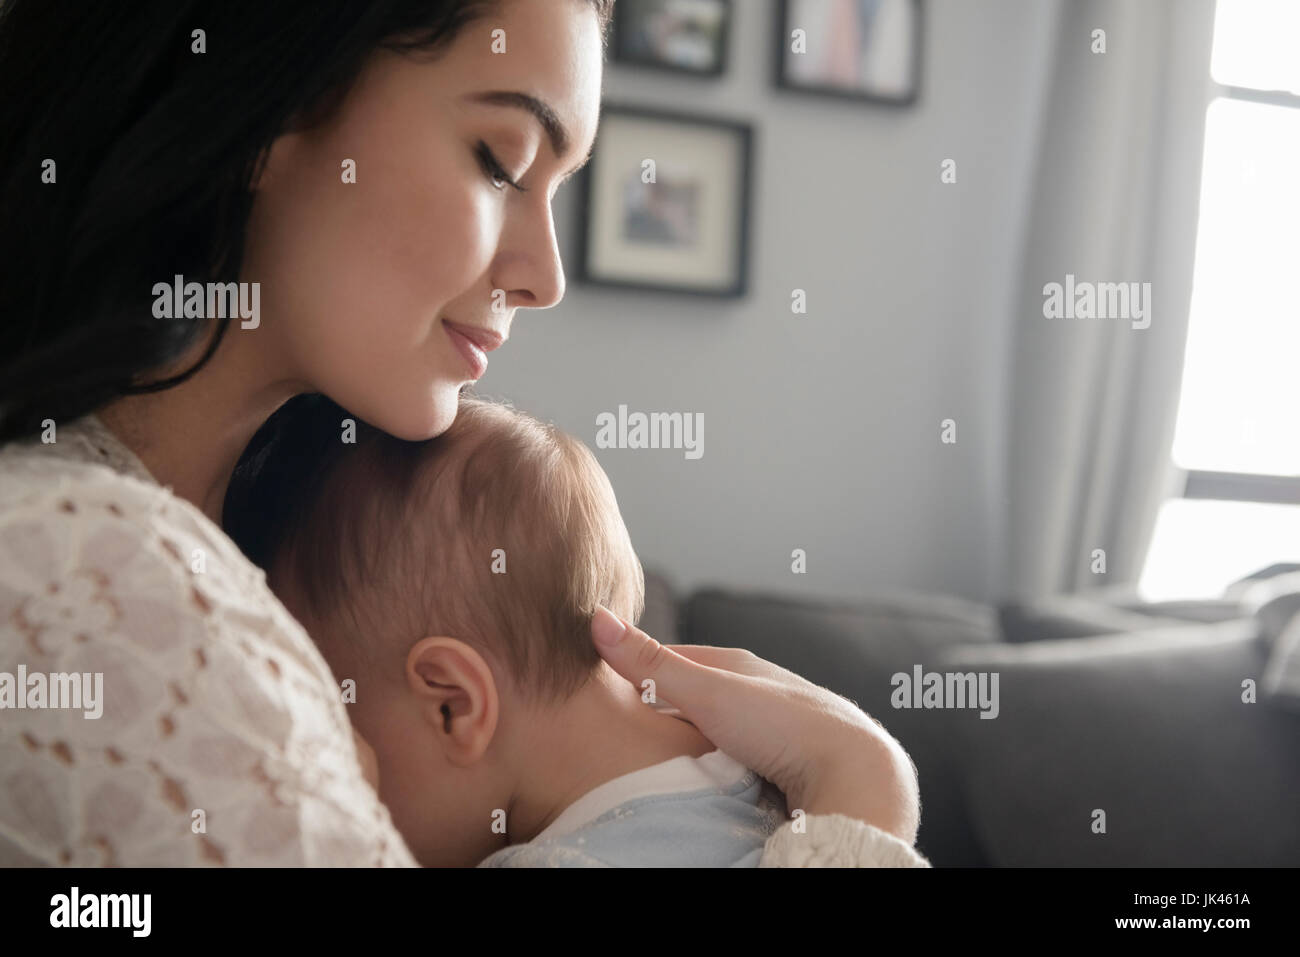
column 545, row 114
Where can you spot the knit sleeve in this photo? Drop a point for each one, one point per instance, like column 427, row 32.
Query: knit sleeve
column 160, row 707
column 833, row 840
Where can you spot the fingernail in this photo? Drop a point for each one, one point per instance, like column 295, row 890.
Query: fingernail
column 607, row 627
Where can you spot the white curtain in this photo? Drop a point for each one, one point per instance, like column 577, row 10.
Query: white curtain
column 1092, row 402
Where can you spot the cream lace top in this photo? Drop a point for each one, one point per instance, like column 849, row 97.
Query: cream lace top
column 223, row 737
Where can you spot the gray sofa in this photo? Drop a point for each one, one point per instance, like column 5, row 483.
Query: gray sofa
column 1105, row 705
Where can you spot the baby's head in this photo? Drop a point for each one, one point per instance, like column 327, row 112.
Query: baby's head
column 454, row 580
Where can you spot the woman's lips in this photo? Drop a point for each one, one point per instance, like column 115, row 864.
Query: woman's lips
column 474, row 344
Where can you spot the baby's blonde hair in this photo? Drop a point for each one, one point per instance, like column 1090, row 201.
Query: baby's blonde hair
column 503, row 532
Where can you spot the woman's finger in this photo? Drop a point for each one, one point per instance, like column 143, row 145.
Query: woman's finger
column 690, row 685
column 740, row 661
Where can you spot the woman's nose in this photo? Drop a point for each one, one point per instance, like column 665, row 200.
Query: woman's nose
column 534, row 275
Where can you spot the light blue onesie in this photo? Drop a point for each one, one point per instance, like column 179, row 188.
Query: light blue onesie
column 708, row 811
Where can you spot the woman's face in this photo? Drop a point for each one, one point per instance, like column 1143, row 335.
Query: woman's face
column 363, row 283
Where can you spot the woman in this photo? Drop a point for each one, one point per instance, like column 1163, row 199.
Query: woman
column 377, row 178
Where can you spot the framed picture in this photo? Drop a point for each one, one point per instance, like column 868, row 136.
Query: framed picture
column 665, row 203
column 684, row 36
column 860, row 49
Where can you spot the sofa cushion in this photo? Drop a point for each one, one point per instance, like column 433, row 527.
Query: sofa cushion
column 1148, row 727
column 660, row 619
column 888, row 627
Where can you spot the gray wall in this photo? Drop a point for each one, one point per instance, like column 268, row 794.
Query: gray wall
column 822, row 430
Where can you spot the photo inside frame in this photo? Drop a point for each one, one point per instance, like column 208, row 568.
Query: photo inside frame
column 683, row 34
column 681, row 229
column 857, row 46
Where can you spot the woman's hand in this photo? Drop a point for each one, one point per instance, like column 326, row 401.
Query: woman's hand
column 825, row 753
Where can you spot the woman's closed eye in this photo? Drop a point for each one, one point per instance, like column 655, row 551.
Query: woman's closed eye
column 495, row 171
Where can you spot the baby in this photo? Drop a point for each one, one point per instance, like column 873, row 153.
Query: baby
column 455, row 580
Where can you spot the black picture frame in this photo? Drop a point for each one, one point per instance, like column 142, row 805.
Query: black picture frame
column 736, row 283
column 783, row 81
column 624, row 52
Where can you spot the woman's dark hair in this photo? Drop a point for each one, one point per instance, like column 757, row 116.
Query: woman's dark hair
column 154, row 147
column 282, row 471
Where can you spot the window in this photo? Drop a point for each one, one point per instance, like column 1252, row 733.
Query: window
column 1237, row 442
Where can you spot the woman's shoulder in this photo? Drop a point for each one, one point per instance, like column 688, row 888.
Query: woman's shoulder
column 69, row 486
column 215, row 707
column 60, row 512
column 122, row 541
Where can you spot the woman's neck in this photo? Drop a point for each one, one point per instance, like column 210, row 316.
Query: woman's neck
column 191, row 436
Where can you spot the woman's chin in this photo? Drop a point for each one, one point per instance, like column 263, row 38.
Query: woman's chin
column 429, row 415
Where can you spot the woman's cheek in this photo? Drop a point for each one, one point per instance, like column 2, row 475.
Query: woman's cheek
column 463, row 230
column 432, row 243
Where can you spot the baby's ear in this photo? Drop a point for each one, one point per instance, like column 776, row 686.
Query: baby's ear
column 457, row 696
